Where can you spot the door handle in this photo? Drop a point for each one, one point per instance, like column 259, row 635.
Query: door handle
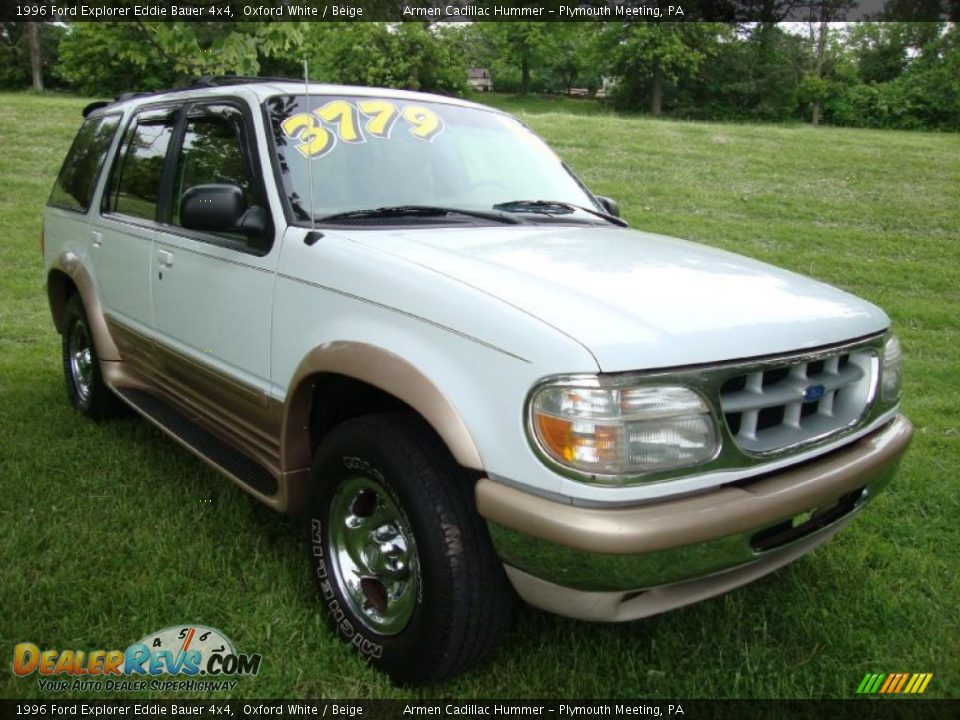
column 165, row 257
column 96, row 238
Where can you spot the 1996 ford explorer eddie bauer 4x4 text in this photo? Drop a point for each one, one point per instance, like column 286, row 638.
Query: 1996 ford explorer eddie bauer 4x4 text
column 404, row 317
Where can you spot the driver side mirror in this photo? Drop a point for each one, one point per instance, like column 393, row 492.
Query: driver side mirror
column 610, row 206
column 221, row 208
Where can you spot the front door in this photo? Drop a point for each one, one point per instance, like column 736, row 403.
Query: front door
column 212, row 291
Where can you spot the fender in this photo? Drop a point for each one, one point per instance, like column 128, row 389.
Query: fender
column 382, row 369
column 69, row 264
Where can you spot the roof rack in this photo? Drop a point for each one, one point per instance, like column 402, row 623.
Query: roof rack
column 123, row 97
column 220, row 80
column 204, row 81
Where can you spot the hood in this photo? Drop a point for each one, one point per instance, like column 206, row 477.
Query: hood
column 637, row 300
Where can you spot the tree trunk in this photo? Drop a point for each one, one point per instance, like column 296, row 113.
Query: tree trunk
column 765, row 32
column 656, row 95
column 36, row 59
column 525, row 75
column 821, row 48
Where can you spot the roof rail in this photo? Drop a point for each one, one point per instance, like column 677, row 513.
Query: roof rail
column 204, row 81
column 123, row 97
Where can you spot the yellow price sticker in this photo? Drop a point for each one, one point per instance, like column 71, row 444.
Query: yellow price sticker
column 425, row 123
column 316, row 133
column 314, row 139
column 382, row 116
column 345, row 116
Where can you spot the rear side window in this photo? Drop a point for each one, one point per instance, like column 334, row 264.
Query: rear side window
column 77, row 180
column 135, row 181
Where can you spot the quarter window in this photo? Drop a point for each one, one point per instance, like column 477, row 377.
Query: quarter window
column 78, row 176
column 135, row 184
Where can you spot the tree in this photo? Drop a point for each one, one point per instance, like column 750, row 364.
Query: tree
column 822, row 14
column 19, row 62
column 520, row 46
column 410, row 55
column 736, row 85
column 883, row 50
column 572, row 59
column 648, row 55
column 108, row 58
column 36, row 56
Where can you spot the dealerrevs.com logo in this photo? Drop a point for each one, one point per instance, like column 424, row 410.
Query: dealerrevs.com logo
column 185, row 652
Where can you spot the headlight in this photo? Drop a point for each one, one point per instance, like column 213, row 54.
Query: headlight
column 623, row 431
column 891, row 373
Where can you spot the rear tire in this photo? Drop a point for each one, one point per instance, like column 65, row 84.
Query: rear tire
column 404, row 564
column 86, row 389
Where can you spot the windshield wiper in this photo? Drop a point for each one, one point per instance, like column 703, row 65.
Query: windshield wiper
column 425, row 211
column 554, row 207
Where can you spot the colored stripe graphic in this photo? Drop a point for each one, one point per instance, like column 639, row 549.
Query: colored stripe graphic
column 887, row 683
column 901, row 683
column 894, row 683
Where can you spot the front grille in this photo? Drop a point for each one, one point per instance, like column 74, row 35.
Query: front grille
column 789, row 404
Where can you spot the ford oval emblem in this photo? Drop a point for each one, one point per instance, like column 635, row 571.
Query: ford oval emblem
column 813, row 393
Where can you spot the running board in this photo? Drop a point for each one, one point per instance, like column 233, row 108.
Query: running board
column 204, row 444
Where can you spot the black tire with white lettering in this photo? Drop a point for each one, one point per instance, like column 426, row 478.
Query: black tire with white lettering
column 404, row 564
column 86, row 389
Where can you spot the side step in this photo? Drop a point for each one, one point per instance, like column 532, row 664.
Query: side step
column 204, row 444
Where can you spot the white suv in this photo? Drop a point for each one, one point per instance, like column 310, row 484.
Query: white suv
column 404, row 317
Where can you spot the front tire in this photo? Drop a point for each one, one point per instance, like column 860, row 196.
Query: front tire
column 404, row 565
column 86, row 389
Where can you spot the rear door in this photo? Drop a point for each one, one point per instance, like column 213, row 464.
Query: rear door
column 122, row 244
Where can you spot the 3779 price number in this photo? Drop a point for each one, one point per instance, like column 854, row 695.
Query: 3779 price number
column 352, row 122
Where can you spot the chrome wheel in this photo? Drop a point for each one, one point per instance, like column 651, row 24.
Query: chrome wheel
column 80, row 356
column 374, row 554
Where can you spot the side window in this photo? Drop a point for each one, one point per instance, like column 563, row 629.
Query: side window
column 213, row 154
column 77, row 180
column 135, row 182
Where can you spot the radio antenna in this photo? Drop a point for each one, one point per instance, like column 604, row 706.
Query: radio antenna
column 306, row 90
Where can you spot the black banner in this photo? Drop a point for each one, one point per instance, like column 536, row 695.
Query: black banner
column 476, row 10
column 867, row 709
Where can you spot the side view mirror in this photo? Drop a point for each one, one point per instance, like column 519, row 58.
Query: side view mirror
column 254, row 222
column 610, row 206
column 213, row 208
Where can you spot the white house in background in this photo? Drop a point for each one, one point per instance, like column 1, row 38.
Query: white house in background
column 606, row 85
column 479, row 79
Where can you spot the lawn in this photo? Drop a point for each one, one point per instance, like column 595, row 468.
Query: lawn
column 112, row 531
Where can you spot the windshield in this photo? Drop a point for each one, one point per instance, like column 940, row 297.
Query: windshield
column 365, row 153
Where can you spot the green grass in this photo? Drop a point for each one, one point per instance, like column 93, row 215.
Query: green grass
column 111, row 531
column 540, row 104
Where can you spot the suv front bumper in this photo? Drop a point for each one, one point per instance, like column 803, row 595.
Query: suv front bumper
column 615, row 564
